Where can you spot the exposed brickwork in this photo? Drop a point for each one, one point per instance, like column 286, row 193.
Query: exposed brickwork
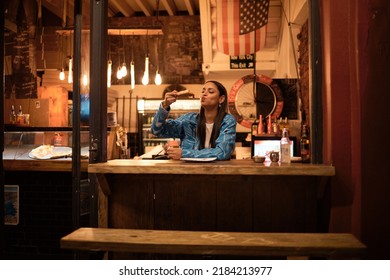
column 303, row 61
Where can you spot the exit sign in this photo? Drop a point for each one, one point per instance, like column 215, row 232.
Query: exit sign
column 242, row 61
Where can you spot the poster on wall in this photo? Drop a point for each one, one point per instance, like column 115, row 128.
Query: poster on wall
column 11, row 204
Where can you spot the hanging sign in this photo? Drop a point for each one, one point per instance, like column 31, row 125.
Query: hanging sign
column 242, row 61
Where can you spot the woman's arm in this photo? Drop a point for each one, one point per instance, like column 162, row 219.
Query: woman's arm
column 161, row 127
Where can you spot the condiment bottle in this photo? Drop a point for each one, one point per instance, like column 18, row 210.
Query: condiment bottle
column 305, row 144
column 20, row 119
column 260, row 128
column 275, row 126
column 57, row 140
column 12, row 115
column 269, row 125
column 254, row 127
column 286, row 124
column 285, row 148
column 281, row 125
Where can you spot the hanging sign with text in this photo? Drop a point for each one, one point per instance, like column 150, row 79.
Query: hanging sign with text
column 242, row 61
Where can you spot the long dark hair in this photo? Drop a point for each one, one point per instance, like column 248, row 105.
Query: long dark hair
column 222, row 111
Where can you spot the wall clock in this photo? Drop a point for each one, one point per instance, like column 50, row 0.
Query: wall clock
column 245, row 106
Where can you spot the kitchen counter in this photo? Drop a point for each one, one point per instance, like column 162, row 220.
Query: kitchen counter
column 18, row 159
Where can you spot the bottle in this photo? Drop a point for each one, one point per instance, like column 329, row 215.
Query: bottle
column 285, row 148
column 269, row 125
column 254, row 127
column 260, row 128
column 19, row 118
column 12, row 115
column 305, row 144
column 281, row 126
column 275, row 126
column 286, row 124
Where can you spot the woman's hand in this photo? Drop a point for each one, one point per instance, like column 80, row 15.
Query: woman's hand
column 172, row 149
column 174, row 152
column 170, row 97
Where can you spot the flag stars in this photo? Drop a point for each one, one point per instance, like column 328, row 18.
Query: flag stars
column 253, row 15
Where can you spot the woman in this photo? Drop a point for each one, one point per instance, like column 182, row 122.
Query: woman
column 207, row 134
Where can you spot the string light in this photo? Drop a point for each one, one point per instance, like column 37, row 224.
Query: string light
column 158, row 79
column 132, row 74
column 85, row 80
column 119, row 73
column 132, row 70
column 124, row 70
column 109, row 73
column 145, row 78
column 70, row 73
column 62, row 74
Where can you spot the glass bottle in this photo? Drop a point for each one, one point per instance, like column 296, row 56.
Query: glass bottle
column 254, row 127
column 305, row 144
column 275, row 126
column 269, row 125
column 20, row 116
column 286, row 124
column 260, row 127
column 281, row 126
column 12, row 115
column 285, row 148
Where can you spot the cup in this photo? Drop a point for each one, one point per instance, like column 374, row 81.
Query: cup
column 274, row 156
column 26, row 119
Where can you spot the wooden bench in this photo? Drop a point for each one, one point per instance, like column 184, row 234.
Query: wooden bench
column 327, row 245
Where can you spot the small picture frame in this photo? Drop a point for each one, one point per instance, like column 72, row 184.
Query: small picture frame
column 11, row 204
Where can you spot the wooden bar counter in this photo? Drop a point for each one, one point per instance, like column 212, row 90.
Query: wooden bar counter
column 235, row 195
column 232, row 167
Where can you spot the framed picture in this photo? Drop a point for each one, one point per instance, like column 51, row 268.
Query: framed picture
column 11, row 204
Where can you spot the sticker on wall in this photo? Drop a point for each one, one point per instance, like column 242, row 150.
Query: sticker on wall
column 11, row 204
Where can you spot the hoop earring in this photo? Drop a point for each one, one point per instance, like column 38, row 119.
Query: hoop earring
column 219, row 105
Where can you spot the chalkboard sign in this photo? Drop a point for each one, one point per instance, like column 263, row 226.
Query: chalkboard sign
column 242, row 61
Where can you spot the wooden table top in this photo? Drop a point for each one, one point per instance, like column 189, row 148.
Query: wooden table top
column 206, row 242
column 231, row 167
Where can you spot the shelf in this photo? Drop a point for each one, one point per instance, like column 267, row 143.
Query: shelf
column 15, row 128
column 156, row 139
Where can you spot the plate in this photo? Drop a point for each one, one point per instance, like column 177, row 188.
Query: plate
column 199, row 159
column 296, row 159
column 48, row 152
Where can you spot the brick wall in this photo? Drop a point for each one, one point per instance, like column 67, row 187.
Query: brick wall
column 304, row 73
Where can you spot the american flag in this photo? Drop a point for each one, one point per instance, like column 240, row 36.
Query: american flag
column 237, row 23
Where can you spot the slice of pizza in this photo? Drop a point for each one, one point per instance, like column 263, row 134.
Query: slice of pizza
column 42, row 152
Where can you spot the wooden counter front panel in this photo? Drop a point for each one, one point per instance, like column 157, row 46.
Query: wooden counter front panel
column 216, row 203
column 285, row 204
column 185, row 203
column 130, row 204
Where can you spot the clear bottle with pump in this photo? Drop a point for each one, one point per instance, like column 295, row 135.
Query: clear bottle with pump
column 305, row 144
column 285, row 148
